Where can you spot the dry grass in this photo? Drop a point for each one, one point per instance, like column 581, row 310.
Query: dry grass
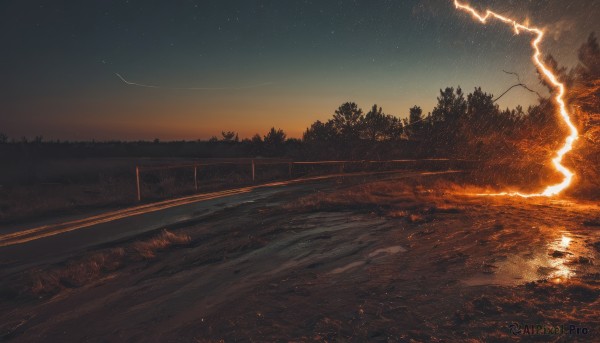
column 398, row 214
column 78, row 273
column 408, row 200
column 148, row 249
column 365, row 196
column 358, row 198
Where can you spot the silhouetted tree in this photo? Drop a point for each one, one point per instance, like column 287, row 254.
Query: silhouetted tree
column 451, row 107
column 274, row 142
column 230, row 136
column 589, row 59
column 256, row 145
column 482, row 112
column 415, row 123
column 275, row 137
column 293, row 148
column 447, row 118
column 320, row 133
column 584, row 98
column 415, row 116
column 561, row 72
column 377, row 126
column 257, row 139
column 3, row 138
column 347, row 121
column 586, row 89
column 321, row 140
column 541, row 115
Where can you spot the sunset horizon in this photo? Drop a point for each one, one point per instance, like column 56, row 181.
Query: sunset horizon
column 213, row 69
column 300, row 171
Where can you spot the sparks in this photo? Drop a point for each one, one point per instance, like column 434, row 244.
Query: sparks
column 574, row 134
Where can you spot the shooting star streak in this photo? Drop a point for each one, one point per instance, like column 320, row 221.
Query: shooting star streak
column 544, row 70
column 193, row 88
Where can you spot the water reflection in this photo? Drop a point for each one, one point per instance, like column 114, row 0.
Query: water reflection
column 560, row 257
column 565, row 241
column 556, row 258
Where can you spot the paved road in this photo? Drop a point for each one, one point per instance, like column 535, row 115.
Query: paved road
column 24, row 248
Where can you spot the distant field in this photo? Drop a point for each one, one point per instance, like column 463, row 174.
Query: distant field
column 65, row 170
column 34, row 188
column 31, row 188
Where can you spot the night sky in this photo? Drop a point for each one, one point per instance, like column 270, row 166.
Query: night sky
column 260, row 63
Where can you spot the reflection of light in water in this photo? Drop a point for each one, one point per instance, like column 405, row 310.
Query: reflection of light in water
column 565, row 241
column 546, row 261
column 560, row 262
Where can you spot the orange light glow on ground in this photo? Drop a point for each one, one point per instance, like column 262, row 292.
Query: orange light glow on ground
column 551, row 190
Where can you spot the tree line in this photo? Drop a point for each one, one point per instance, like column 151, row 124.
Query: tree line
column 462, row 125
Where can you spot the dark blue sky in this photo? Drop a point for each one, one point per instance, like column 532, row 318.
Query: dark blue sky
column 266, row 62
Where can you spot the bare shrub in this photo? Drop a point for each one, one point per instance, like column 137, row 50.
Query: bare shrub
column 77, row 273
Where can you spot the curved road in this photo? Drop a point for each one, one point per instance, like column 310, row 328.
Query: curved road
column 23, row 248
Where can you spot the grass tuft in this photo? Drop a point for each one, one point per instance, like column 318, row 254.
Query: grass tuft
column 78, row 273
column 148, row 249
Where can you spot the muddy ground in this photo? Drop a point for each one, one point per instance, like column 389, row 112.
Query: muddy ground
column 353, row 260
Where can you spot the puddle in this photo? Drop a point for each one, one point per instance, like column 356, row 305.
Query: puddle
column 558, row 260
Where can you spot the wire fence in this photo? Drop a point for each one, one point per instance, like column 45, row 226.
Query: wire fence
column 159, row 182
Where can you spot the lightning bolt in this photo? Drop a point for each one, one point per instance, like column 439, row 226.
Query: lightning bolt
column 560, row 101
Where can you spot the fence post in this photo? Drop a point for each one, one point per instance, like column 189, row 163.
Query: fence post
column 137, row 181
column 196, row 178
column 253, row 172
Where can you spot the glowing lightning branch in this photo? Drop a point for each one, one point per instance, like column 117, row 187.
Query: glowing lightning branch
column 574, row 134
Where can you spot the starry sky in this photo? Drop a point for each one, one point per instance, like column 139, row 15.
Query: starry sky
column 247, row 65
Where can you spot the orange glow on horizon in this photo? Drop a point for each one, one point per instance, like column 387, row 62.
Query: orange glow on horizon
column 551, row 190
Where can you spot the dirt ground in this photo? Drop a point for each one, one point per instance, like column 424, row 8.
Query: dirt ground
column 393, row 260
